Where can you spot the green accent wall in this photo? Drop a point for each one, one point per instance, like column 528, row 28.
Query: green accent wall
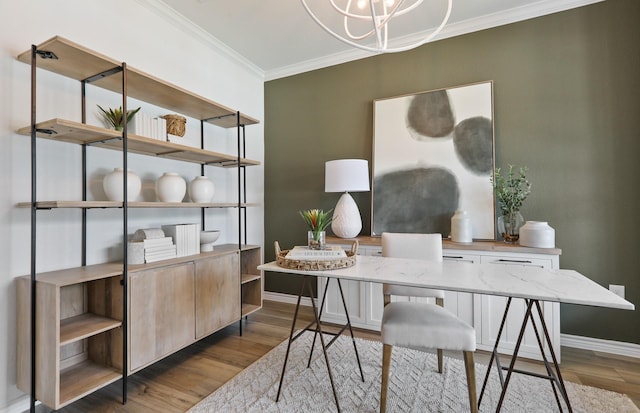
column 566, row 105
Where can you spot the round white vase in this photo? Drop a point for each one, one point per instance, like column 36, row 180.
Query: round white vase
column 537, row 234
column 171, row 187
column 113, row 185
column 201, row 189
column 461, row 231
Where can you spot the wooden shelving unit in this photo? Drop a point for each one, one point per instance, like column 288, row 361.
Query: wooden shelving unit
column 82, row 337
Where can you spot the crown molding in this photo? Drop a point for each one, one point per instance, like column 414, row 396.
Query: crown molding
column 188, row 27
column 488, row 21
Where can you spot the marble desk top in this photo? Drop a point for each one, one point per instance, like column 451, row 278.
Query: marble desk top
column 563, row 286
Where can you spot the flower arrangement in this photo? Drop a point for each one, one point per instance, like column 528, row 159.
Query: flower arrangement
column 115, row 118
column 511, row 190
column 317, row 220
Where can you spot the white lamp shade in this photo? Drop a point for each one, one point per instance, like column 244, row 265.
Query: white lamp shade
column 344, row 175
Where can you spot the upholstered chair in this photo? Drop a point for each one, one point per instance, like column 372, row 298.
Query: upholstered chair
column 418, row 325
column 420, row 246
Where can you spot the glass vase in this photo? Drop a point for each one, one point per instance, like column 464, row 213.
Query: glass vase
column 316, row 240
column 509, row 226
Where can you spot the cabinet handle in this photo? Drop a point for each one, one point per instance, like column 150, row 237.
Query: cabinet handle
column 516, row 261
column 453, row 257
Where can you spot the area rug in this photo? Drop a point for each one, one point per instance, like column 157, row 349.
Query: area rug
column 415, row 385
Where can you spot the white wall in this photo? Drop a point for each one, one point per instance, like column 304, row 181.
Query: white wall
column 145, row 35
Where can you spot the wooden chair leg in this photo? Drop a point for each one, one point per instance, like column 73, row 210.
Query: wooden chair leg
column 386, row 366
column 440, row 302
column 470, row 368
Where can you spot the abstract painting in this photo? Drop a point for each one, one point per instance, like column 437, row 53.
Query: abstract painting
column 433, row 154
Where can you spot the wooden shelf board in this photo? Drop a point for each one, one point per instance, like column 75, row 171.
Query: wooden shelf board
column 85, row 325
column 136, row 204
column 80, row 133
column 249, row 308
column 84, row 378
column 246, row 278
column 77, row 62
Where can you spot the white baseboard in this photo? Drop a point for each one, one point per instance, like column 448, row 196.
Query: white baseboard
column 567, row 340
column 597, row 344
column 19, row 405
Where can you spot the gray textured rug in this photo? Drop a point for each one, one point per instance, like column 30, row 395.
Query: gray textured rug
column 415, row 385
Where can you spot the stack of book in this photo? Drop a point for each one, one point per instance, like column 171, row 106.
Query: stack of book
column 305, row 253
column 144, row 125
column 186, row 237
column 157, row 246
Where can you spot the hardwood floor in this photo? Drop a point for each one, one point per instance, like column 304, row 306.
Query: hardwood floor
column 179, row 381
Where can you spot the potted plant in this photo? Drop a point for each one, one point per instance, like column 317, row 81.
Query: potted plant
column 115, row 118
column 511, row 191
column 317, row 220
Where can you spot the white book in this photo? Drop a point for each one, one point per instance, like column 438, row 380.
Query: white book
column 301, row 253
column 169, row 253
column 160, row 248
column 159, row 258
column 155, row 242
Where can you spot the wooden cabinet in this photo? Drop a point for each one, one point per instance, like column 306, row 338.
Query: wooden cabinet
column 161, row 313
column 483, row 312
column 217, row 292
column 171, row 305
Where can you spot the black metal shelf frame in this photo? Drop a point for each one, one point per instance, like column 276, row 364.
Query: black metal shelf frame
column 241, row 197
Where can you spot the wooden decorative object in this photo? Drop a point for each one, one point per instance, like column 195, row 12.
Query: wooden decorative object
column 175, row 124
column 320, row 264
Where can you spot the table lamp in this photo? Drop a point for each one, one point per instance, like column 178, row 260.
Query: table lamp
column 346, row 175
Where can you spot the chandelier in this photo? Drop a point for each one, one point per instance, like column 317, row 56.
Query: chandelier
column 365, row 20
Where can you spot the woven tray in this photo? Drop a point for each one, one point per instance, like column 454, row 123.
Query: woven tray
column 309, row 265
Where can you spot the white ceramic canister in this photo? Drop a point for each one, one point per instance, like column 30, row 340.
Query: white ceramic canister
column 171, row 187
column 537, row 234
column 461, row 230
column 201, row 189
column 113, row 185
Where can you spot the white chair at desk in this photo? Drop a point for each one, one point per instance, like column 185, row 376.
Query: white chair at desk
column 421, row 246
column 422, row 326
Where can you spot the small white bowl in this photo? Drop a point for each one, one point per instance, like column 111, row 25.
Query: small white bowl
column 207, row 238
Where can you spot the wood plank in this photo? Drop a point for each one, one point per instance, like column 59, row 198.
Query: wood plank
column 136, row 204
column 84, row 378
column 249, row 277
column 83, row 326
column 78, row 62
column 64, row 130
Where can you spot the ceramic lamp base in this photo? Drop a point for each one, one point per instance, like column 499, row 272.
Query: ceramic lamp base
column 346, row 222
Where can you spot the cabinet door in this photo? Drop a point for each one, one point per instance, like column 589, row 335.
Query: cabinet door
column 217, row 293
column 491, row 310
column 161, row 316
column 354, row 295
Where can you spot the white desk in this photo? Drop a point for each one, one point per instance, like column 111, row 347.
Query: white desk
column 529, row 283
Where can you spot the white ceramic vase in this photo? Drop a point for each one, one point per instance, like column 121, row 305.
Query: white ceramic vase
column 461, row 231
column 171, row 187
column 113, row 185
column 537, row 234
column 201, row 189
